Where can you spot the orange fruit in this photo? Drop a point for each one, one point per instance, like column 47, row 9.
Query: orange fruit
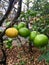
column 11, row 32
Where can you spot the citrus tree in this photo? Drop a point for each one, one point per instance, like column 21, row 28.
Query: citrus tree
column 34, row 36
column 40, row 24
column 10, row 7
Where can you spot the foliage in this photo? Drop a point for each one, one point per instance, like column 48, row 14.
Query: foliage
column 30, row 14
column 9, row 43
column 41, row 6
column 22, row 62
column 42, row 26
column 44, row 56
column 46, row 9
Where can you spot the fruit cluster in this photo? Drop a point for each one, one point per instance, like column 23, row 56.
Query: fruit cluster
column 39, row 40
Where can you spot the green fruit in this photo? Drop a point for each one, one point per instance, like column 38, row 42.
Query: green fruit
column 33, row 35
column 24, row 32
column 21, row 25
column 40, row 40
column 15, row 26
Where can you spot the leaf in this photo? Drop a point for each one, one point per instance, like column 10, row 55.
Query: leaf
column 41, row 57
column 44, row 56
column 22, row 62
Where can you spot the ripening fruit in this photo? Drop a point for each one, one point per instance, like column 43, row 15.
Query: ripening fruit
column 40, row 40
column 24, row 32
column 11, row 32
column 33, row 34
column 21, row 25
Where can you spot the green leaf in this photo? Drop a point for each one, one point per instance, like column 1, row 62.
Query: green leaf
column 44, row 56
column 7, row 24
column 9, row 43
column 22, row 62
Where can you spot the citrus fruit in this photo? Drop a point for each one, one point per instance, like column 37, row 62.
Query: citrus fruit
column 33, row 35
column 21, row 24
column 41, row 40
column 11, row 32
column 24, row 32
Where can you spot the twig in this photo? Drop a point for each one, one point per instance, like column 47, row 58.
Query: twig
column 14, row 20
column 8, row 11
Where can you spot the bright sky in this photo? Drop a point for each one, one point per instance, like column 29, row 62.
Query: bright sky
column 24, row 6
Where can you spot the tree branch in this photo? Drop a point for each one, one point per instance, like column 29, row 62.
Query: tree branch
column 8, row 11
column 14, row 20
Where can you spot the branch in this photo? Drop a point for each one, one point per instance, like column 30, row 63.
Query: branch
column 8, row 11
column 14, row 20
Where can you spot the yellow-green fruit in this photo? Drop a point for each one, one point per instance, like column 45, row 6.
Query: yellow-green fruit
column 40, row 40
column 21, row 25
column 11, row 32
column 24, row 32
column 33, row 34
